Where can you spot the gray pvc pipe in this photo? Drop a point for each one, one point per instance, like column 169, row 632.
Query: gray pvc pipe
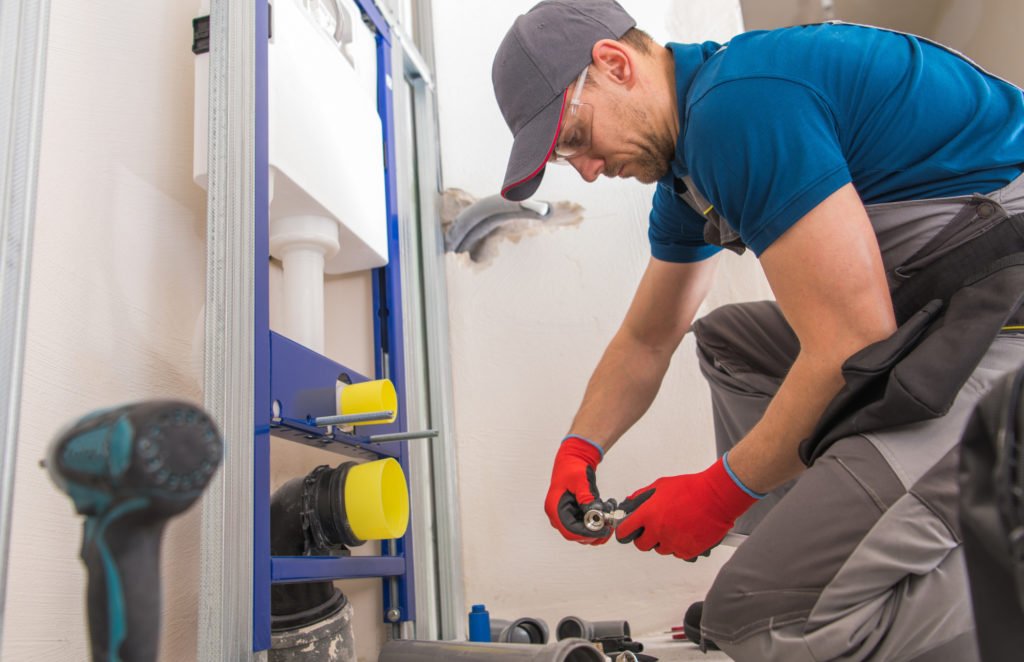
column 567, row 650
column 484, row 216
column 519, row 631
column 573, row 626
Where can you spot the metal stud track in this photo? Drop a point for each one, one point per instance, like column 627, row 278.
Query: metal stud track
column 23, row 37
column 226, row 568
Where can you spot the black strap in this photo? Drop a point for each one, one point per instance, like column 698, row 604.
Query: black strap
column 959, row 267
column 717, row 231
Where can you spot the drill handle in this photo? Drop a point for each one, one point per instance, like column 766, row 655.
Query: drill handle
column 121, row 551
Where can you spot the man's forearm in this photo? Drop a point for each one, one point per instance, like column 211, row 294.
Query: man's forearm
column 768, row 456
column 621, row 389
column 829, row 281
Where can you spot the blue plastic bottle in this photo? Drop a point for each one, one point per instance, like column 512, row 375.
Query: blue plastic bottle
column 479, row 624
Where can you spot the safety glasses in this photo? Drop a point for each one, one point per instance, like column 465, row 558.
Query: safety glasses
column 574, row 134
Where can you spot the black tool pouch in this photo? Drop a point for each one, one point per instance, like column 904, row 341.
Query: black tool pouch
column 916, row 373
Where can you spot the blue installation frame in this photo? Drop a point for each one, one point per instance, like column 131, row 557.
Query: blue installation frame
column 293, row 384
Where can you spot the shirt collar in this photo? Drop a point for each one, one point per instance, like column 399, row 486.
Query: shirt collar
column 689, row 58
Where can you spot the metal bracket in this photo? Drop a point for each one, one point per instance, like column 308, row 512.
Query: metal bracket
column 201, row 31
column 201, row 35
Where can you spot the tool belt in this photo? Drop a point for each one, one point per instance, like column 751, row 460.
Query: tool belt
column 949, row 313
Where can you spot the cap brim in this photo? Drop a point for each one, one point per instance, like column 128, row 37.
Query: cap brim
column 531, row 150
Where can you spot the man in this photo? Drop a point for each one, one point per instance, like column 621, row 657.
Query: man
column 876, row 176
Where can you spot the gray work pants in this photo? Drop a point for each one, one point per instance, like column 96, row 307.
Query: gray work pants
column 860, row 558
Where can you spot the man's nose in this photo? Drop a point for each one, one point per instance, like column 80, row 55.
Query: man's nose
column 590, row 168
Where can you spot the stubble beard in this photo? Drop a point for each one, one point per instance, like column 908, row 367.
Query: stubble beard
column 656, row 154
column 653, row 164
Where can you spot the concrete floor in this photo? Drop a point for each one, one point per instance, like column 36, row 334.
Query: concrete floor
column 662, row 646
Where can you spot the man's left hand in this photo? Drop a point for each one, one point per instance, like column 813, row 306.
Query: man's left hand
column 684, row 516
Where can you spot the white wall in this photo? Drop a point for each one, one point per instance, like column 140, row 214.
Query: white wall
column 527, row 330
column 988, row 31
column 118, row 284
column 985, row 30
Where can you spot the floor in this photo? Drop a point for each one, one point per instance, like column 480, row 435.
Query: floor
column 662, row 646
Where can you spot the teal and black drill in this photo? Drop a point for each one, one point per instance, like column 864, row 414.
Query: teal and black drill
column 129, row 470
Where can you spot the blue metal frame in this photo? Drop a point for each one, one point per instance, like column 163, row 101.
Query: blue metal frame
column 292, row 569
column 301, row 382
column 387, row 296
column 299, row 376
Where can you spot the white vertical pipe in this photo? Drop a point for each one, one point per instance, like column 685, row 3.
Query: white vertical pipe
column 23, row 36
column 304, row 297
column 304, row 244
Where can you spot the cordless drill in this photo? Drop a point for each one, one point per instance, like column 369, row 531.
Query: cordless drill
column 129, row 470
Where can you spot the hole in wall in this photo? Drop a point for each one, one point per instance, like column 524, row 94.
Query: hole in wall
column 501, row 222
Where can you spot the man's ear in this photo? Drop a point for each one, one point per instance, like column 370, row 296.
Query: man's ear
column 614, row 61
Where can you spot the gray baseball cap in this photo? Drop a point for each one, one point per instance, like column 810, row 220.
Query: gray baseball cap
column 542, row 54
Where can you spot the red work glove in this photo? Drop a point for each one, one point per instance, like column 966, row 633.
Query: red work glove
column 687, row 515
column 573, row 488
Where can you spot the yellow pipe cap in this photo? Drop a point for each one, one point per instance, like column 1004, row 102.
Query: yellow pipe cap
column 377, row 500
column 369, row 397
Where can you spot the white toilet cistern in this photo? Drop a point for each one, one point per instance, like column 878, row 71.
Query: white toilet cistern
column 327, row 212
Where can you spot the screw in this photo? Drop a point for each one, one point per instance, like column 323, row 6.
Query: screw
column 394, row 615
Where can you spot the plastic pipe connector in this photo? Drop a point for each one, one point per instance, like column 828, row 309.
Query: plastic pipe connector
column 484, row 216
column 304, row 244
column 573, row 626
column 520, row 631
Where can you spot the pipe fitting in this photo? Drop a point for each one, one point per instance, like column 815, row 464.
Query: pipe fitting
column 329, row 638
column 520, row 631
column 332, row 509
column 323, row 514
column 304, row 244
column 573, row 626
column 480, row 219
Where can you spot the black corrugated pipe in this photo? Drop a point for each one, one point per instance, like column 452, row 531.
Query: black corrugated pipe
column 307, row 518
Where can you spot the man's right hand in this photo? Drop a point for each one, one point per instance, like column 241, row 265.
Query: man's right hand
column 573, row 488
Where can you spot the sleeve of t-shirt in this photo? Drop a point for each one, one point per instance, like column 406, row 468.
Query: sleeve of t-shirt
column 675, row 230
column 764, row 151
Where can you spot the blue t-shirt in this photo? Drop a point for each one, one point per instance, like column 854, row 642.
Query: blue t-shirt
column 774, row 122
